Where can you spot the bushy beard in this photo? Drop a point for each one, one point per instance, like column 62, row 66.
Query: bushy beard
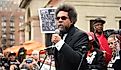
column 63, row 29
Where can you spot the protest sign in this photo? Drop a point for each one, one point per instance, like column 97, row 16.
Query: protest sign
column 47, row 20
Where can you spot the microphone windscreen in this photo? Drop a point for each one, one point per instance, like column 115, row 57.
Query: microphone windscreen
column 57, row 31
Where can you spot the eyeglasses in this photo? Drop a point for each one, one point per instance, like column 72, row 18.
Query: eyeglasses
column 63, row 18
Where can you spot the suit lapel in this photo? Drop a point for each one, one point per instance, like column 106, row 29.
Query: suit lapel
column 69, row 35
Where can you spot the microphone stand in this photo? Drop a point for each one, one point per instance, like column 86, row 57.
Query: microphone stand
column 50, row 52
column 50, row 61
column 43, row 61
column 81, row 61
column 84, row 51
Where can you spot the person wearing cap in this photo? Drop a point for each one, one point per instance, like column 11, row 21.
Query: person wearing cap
column 101, row 38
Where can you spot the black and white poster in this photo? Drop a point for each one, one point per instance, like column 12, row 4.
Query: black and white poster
column 47, row 20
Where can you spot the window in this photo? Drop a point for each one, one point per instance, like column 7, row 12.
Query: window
column 12, row 29
column 12, row 42
column 12, row 36
column 3, row 24
column 3, row 45
column 3, row 30
column 3, row 41
column 20, row 24
column 12, row 19
column 119, row 24
column 4, row 19
column 11, row 24
column 21, row 18
column 28, row 29
column 4, row 35
column 91, row 26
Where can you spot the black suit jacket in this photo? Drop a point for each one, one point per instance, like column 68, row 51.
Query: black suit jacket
column 70, row 55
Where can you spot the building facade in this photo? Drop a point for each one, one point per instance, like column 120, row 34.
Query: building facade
column 11, row 18
column 88, row 10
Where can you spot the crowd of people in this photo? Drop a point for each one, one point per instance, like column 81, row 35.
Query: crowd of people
column 74, row 49
column 11, row 61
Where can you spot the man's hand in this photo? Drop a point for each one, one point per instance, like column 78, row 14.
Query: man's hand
column 55, row 38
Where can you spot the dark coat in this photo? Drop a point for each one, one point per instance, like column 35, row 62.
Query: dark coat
column 70, row 55
column 98, row 62
column 117, row 64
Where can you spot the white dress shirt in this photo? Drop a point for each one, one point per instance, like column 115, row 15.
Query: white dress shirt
column 59, row 44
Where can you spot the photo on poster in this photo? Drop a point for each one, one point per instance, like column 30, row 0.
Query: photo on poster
column 47, row 20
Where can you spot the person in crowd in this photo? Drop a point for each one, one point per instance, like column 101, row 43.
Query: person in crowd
column 46, row 61
column 21, row 54
column 101, row 38
column 108, row 32
column 114, row 42
column 29, row 64
column 71, row 43
column 1, row 62
column 4, row 62
column 1, row 50
column 12, row 61
column 94, row 57
column 35, row 55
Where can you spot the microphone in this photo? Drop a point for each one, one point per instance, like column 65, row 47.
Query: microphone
column 84, row 49
column 50, row 49
column 49, row 36
column 57, row 31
